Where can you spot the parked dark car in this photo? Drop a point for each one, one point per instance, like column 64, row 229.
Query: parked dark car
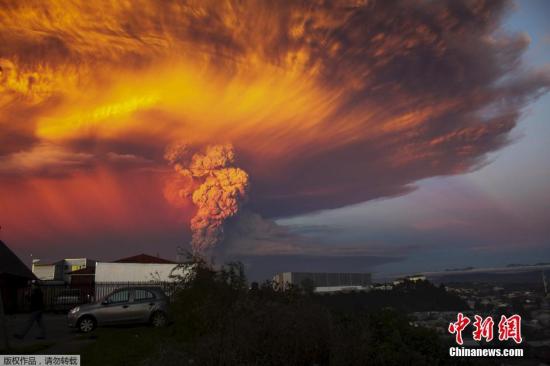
column 131, row 305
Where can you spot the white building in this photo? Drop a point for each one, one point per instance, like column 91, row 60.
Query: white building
column 47, row 271
column 326, row 282
column 106, row 272
column 59, row 271
column 138, row 268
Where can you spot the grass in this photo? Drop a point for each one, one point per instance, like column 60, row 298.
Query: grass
column 27, row 350
column 123, row 346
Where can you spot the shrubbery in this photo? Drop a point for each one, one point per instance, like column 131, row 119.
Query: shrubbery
column 220, row 321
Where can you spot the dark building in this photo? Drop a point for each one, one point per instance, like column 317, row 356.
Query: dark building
column 83, row 277
column 83, row 281
column 14, row 278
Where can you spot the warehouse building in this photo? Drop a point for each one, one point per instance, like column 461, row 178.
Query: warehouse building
column 141, row 269
column 138, row 268
column 325, row 281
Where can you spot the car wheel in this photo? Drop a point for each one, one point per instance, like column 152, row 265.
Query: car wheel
column 158, row 319
column 86, row 324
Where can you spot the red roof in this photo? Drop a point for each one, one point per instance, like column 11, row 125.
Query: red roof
column 143, row 258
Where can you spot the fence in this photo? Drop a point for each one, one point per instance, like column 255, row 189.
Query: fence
column 64, row 297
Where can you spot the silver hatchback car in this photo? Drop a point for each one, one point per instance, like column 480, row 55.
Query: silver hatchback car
column 129, row 305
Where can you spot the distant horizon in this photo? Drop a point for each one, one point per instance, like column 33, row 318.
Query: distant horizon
column 510, row 267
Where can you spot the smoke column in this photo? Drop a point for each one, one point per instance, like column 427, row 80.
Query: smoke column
column 215, row 185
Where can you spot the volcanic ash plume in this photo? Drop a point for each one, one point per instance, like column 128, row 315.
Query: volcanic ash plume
column 216, row 186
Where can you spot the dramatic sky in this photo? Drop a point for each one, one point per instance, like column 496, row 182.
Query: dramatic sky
column 303, row 135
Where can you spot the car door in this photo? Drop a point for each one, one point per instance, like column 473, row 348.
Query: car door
column 115, row 308
column 142, row 305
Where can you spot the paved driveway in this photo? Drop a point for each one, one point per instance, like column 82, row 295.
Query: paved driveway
column 59, row 336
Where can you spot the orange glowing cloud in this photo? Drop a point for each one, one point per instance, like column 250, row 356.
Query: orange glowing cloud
column 326, row 103
column 86, row 204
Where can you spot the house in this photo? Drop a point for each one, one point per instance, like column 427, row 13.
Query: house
column 14, row 278
column 136, row 270
column 47, row 271
column 60, row 271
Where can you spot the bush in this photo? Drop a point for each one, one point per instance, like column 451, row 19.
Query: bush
column 220, row 321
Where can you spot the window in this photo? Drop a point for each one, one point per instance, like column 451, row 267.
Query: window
column 120, row 296
column 142, row 295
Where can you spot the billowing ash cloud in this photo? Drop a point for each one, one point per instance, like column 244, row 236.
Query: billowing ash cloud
column 216, row 186
column 329, row 103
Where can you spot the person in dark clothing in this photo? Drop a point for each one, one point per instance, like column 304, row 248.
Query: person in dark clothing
column 37, row 308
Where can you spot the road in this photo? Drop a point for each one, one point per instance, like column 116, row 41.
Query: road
column 60, row 339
